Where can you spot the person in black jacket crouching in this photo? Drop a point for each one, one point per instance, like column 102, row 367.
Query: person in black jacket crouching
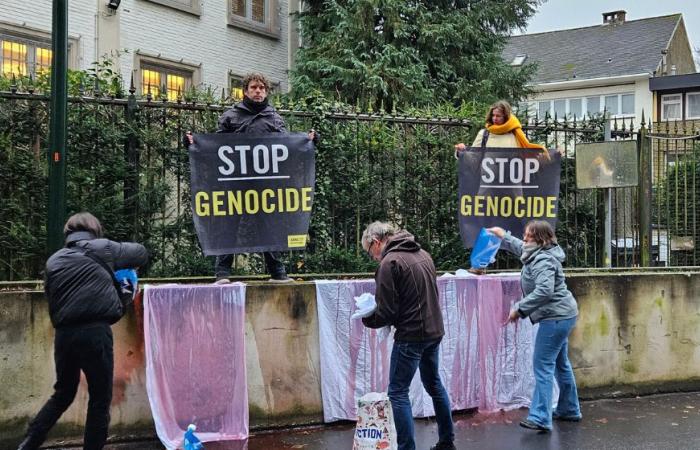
column 83, row 303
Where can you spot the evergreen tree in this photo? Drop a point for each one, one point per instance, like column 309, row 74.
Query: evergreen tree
column 407, row 53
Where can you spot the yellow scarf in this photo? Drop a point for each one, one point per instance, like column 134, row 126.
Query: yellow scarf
column 513, row 125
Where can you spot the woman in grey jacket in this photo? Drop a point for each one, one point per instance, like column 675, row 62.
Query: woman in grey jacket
column 547, row 301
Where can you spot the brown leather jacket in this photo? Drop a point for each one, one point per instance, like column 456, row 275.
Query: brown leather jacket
column 407, row 294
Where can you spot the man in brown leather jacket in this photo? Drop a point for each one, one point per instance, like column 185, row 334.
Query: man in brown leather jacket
column 407, row 299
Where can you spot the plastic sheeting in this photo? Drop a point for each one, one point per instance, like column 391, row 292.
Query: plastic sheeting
column 482, row 363
column 195, row 361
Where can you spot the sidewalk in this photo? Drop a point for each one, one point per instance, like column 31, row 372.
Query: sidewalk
column 661, row 422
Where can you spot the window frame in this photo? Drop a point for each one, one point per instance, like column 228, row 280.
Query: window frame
column 271, row 28
column 191, row 72
column 34, row 38
column 687, row 105
column 664, row 101
column 195, row 7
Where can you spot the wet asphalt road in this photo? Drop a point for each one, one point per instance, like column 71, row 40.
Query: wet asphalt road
column 670, row 421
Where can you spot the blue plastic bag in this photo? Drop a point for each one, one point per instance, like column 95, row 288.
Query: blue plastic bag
column 128, row 279
column 192, row 442
column 485, row 249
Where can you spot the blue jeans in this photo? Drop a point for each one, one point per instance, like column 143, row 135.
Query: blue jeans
column 406, row 357
column 551, row 360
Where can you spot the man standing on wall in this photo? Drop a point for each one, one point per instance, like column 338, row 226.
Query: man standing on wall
column 83, row 304
column 252, row 115
column 407, row 299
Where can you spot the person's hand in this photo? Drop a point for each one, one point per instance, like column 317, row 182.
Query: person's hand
column 498, row 231
column 459, row 148
column 189, row 137
column 512, row 317
column 312, row 135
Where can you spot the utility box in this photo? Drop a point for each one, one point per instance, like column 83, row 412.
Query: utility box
column 610, row 164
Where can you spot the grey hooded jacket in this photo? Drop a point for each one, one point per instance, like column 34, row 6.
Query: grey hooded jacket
column 546, row 296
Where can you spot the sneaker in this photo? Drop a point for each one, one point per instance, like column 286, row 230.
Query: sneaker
column 567, row 418
column 533, row 426
column 444, row 446
column 222, row 281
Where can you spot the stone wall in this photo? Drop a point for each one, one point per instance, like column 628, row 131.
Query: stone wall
column 637, row 333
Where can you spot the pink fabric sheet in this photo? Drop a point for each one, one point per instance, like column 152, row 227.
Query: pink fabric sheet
column 483, row 364
column 195, row 361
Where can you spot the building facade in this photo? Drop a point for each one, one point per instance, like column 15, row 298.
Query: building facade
column 167, row 45
column 602, row 68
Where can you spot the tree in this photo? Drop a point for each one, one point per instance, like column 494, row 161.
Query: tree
column 399, row 53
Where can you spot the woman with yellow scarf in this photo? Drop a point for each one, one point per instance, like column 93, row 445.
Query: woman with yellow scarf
column 504, row 130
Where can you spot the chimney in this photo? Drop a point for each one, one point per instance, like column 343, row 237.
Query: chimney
column 614, row 16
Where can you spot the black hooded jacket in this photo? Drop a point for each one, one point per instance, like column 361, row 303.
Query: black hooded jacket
column 407, row 293
column 79, row 290
column 242, row 119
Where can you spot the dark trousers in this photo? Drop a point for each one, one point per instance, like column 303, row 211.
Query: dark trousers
column 406, row 357
column 87, row 348
column 273, row 262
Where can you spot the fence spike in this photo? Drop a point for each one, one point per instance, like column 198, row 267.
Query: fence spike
column 642, row 115
column 149, row 96
column 30, row 88
column 179, row 95
column 132, row 88
column 13, row 85
column 96, row 90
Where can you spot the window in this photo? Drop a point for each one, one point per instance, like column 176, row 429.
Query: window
column 260, row 16
column 576, row 107
column 611, row 104
column 543, row 108
column 692, row 105
column 671, row 107
column 24, row 58
column 190, row 6
column 518, row 60
column 592, row 106
column 236, row 87
column 163, row 77
column 164, row 81
column 627, row 102
column 560, row 108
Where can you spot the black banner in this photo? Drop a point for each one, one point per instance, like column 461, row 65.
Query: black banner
column 506, row 187
column 252, row 193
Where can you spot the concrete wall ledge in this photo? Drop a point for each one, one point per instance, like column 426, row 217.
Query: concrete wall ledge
column 638, row 333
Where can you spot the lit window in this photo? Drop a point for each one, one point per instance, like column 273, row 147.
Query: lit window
column 43, row 59
column 164, row 81
column 236, row 87
column 14, row 58
column 175, row 86
column 150, row 82
column 693, row 105
column 671, row 107
column 518, row 60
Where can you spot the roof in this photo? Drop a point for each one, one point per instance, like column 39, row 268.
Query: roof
column 690, row 80
column 601, row 51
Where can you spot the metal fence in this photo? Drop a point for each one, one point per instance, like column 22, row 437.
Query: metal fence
column 126, row 163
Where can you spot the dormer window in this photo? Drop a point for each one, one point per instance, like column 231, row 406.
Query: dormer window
column 518, row 60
